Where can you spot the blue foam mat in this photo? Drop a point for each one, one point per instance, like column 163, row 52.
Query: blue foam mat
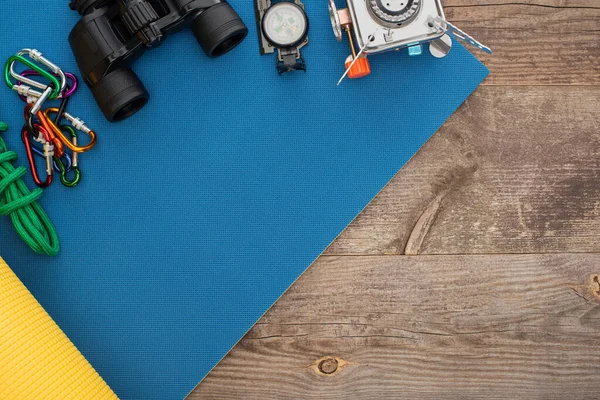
column 196, row 214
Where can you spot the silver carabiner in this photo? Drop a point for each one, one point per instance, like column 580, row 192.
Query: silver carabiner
column 37, row 56
column 48, row 152
column 37, row 106
column 31, row 94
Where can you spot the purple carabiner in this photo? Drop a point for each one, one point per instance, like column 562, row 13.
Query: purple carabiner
column 67, row 93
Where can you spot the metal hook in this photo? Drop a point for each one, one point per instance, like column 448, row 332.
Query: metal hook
column 37, row 105
column 57, row 87
column 68, row 91
column 48, row 154
column 75, row 168
column 59, row 149
column 37, row 56
column 65, row 159
column 76, row 123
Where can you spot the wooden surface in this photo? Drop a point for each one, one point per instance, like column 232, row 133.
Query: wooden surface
column 502, row 207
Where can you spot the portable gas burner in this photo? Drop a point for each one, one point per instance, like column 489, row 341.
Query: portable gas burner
column 384, row 25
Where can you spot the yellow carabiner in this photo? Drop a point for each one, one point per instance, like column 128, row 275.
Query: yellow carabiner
column 77, row 124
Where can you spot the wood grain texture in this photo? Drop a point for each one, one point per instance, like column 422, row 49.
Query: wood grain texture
column 430, row 327
column 535, row 42
column 515, row 170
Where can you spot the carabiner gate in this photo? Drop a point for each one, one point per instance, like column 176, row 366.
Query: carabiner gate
column 75, row 162
column 76, row 123
column 48, row 154
column 37, row 56
column 59, row 149
column 26, row 92
column 66, row 160
column 57, row 86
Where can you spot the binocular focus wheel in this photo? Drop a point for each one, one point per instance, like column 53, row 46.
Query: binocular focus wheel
column 120, row 94
column 218, row 29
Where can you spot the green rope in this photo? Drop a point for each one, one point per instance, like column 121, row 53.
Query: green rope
column 28, row 217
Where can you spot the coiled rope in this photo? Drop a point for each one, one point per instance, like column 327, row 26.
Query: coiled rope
column 18, row 202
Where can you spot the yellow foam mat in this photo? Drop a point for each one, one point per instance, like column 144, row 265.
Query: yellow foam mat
column 37, row 360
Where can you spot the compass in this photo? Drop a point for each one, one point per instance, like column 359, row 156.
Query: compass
column 283, row 28
column 285, row 24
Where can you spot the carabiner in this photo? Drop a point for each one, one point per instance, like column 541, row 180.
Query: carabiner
column 37, row 104
column 76, row 123
column 59, row 149
column 75, row 167
column 68, row 91
column 65, row 159
column 37, row 56
column 48, row 153
column 57, row 87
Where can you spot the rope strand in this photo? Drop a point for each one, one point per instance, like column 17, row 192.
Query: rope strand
column 29, row 218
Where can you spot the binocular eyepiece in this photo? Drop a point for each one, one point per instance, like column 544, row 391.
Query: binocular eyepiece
column 113, row 33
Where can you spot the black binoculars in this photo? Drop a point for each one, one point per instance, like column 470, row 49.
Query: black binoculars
column 113, row 33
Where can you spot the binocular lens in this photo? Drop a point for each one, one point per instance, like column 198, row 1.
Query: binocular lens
column 219, row 29
column 114, row 33
column 120, row 94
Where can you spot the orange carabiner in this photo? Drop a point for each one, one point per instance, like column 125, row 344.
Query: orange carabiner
column 77, row 124
column 59, row 149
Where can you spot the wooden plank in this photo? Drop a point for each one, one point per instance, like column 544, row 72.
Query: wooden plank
column 541, row 42
column 515, row 170
column 428, row 327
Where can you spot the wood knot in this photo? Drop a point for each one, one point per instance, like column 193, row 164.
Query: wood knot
column 595, row 286
column 328, row 366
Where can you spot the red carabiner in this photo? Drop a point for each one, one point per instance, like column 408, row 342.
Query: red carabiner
column 25, row 134
column 59, row 148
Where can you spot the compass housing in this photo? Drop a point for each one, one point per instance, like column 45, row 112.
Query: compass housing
column 285, row 24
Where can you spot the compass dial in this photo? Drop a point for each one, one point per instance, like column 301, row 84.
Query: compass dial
column 285, row 24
